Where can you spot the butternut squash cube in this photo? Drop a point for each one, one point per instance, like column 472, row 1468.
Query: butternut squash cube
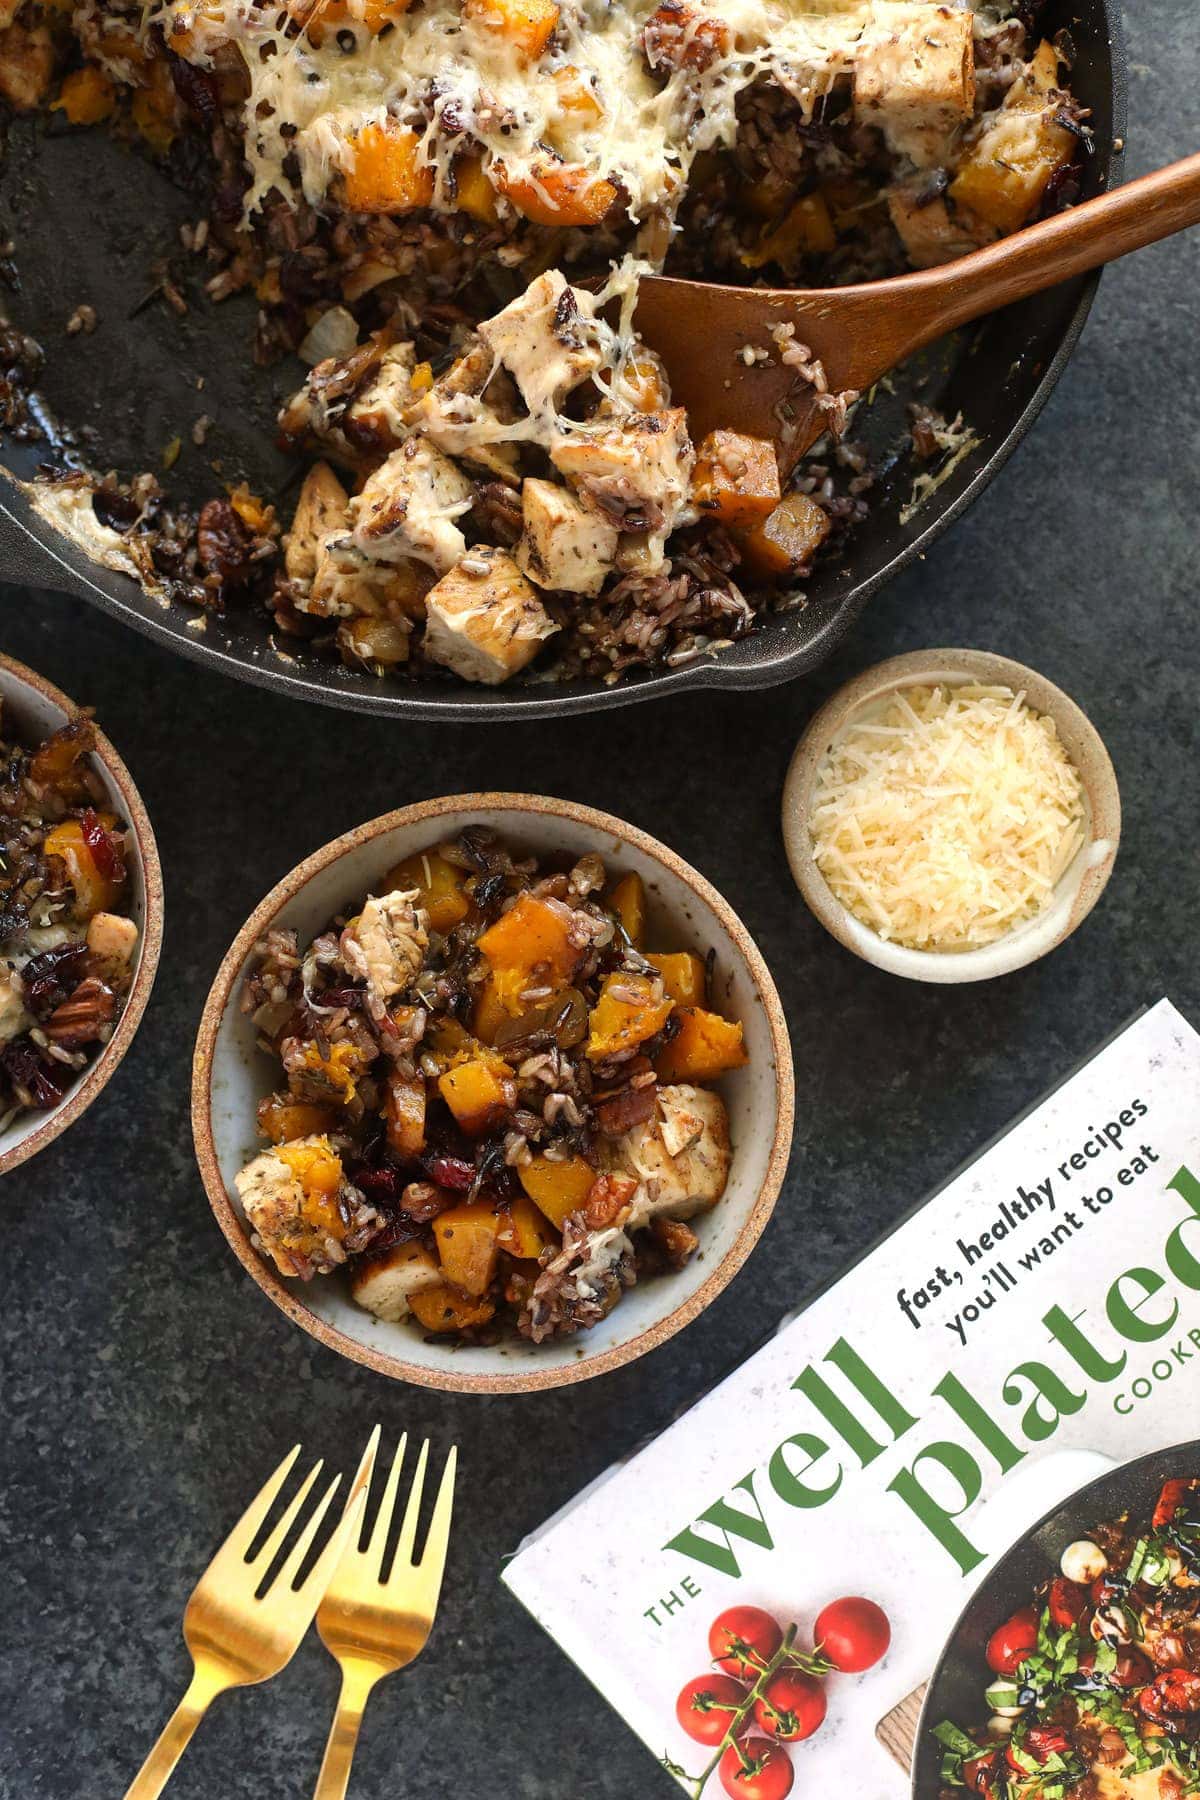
column 736, row 479
column 530, row 945
column 281, row 1118
column 557, row 193
column 86, row 97
column 628, row 901
column 477, row 1095
column 557, row 1188
column 523, row 1231
column 404, row 1111
column 94, row 890
column 467, row 1240
column 445, row 1309
column 440, row 888
column 529, row 24
column 788, row 539
column 577, row 97
column 388, row 175
column 631, row 1009
column 683, row 976
column 806, row 227
column 1006, row 172
column 448, row 1042
column 706, row 1046
column 473, row 192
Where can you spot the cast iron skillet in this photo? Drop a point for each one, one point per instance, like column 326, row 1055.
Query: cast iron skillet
column 956, row 1687
column 88, row 219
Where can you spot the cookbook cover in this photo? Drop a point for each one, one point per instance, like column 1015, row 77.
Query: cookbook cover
column 1034, row 1323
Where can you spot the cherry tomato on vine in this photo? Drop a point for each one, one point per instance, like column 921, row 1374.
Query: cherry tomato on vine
column 769, row 1777
column 1066, row 1602
column 742, row 1629
column 792, row 1706
column 706, row 1707
column 979, row 1773
column 853, row 1633
column 1013, row 1641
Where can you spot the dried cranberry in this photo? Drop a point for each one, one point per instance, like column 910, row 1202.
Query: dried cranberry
column 48, row 979
column 449, row 1172
column 28, row 1072
column 106, row 852
column 196, row 87
column 381, row 1184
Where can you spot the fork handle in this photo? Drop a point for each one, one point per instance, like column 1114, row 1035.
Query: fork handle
column 334, row 1778
column 159, row 1766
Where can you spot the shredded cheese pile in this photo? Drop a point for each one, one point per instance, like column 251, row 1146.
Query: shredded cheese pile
column 945, row 818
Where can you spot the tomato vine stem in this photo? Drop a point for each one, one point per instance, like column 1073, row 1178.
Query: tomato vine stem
column 814, row 1664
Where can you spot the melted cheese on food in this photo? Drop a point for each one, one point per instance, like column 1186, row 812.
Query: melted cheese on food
column 945, row 818
column 451, row 77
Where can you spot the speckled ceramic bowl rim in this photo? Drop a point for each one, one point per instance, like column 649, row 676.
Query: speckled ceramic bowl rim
column 76, row 1102
column 530, row 806
column 1085, row 746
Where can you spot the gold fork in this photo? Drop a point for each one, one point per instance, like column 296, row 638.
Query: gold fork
column 372, row 1627
column 236, row 1638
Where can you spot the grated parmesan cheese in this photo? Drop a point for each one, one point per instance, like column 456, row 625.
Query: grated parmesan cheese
column 945, row 817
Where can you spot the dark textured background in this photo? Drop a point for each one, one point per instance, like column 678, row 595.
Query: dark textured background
column 148, row 1386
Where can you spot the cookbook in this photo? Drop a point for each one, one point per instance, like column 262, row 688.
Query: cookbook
column 1033, row 1323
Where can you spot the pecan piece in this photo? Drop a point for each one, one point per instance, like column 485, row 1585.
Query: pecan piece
column 608, row 1197
column 677, row 1241
column 81, row 1019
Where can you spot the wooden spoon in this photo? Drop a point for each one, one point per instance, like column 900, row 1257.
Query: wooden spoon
column 859, row 333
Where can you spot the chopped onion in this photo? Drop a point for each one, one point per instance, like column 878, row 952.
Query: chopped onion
column 334, row 334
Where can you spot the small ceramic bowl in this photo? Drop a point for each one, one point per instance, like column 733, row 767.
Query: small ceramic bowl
column 1080, row 885
column 231, row 1074
column 31, row 708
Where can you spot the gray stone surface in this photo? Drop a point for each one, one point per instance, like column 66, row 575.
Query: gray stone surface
column 148, row 1386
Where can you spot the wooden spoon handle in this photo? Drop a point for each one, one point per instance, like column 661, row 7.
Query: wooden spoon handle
column 1042, row 255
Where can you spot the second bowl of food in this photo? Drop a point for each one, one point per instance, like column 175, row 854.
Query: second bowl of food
column 493, row 1093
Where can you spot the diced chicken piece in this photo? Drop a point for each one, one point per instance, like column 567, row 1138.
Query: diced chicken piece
column 383, row 1282
column 680, row 1157
column 637, row 471
column 353, row 409
column 385, row 945
column 409, row 506
column 484, row 620
column 914, row 76
column 13, row 1017
column 566, row 544
column 320, row 510
column 465, row 413
column 26, row 65
column 111, row 941
column 932, row 231
column 301, row 1210
column 548, row 340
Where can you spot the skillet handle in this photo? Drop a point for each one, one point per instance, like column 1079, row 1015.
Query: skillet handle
column 25, row 561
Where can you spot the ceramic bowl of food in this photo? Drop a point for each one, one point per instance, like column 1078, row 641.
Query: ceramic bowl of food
column 573, row 991
column 81, row 943
column 875, row 809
